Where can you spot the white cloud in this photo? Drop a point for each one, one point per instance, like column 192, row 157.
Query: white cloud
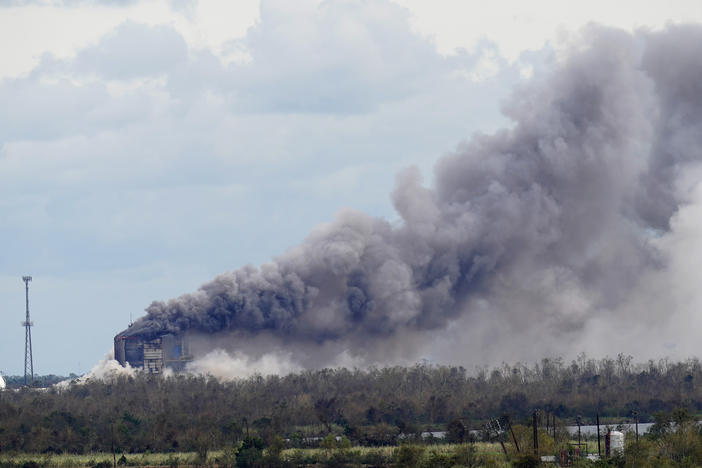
column 137, row 150
column 185, row 139
column 518, row 26
column 31, row 29
column 133, row 50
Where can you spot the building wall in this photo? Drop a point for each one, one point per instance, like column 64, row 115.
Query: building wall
column 155, row 354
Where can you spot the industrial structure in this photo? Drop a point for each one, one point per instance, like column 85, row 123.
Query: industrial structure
column 27, row 324
column 152, row 350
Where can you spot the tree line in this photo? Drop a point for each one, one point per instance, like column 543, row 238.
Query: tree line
column 367, row 406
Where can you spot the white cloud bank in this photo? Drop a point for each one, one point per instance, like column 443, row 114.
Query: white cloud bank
column 147, row 146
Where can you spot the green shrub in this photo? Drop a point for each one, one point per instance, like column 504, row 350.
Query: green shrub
column 172, row 461
column 251, row 453
column 438, row 459
column 527, row 460
column 374, row 458
column 408, row 455
column 466, row 455
column 227, row 458
column 488, row 460
column 102, row 464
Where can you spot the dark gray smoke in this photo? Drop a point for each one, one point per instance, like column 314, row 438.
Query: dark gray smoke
column 547, row 224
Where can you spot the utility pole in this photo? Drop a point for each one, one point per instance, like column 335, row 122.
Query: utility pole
column 536, row 433
column 599, row 451
column 554, row 426
column 28, row 362
column 577, row 420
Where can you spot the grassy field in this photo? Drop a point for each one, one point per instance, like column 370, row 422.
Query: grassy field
column 490, row 455
column 98, row 459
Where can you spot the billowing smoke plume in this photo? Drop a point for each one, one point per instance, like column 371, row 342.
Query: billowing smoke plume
column 106, row 370
column 539, row 230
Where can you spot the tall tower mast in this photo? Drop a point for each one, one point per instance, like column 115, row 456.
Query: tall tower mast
column 28, row 363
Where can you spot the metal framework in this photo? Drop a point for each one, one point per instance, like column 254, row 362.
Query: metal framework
column 28, row 362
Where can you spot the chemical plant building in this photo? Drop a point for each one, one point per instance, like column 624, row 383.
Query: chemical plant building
column 152, row 351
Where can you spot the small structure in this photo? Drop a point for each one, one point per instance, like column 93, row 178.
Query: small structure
column 152, row 351
column 614, row 443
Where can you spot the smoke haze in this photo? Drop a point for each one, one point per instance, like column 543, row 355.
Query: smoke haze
column 107, row 369
column 574, row 230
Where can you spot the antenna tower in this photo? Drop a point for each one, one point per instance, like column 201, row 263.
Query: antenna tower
column 28, row 363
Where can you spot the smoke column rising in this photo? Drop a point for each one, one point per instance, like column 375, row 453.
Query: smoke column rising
column 542, row 229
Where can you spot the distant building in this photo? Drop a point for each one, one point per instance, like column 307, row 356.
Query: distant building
column 152, row 350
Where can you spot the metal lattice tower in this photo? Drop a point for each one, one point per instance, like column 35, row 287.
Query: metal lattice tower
column 28, row 363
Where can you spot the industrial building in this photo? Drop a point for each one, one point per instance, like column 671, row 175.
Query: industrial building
column 152, row 351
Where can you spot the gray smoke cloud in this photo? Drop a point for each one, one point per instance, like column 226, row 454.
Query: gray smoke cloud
column 545, row 226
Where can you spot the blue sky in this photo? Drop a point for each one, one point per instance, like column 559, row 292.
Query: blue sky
column 147, row 146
